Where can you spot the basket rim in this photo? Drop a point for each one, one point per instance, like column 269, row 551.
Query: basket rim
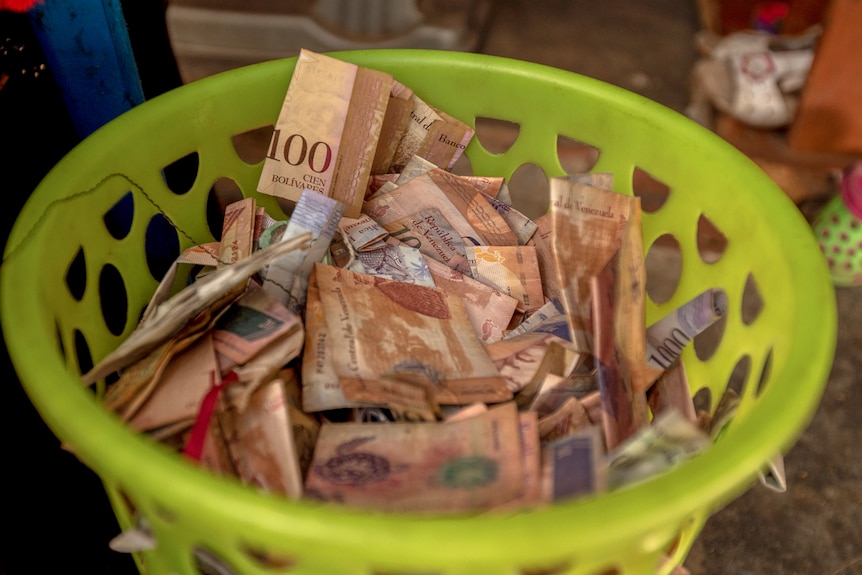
column 698, row 487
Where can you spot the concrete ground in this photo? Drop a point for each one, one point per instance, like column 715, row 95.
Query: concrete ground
column 645, row 46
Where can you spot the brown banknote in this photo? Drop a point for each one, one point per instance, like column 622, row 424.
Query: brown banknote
column 458, row 412
column 433, row 135
column 543, row 241
column 429, row 231
column 395, row 124
column 406, row 401
column 592, row 402
column 321, row 388
column 180, row 390
column 419, row 213
column 327, row 131
column 237, row 239
column 395, row 260
column 379, row 181
column 137, row 381
column 488, row 309
column 552, row 378
column 205, row 255
column 212, row 292
column 568, row 419
column 462, row 206
column 671, row 391
column 445, row 141
column 250, row 324
column 490, row 187
column 469, row 465
column 531, row 452
column 630, row 303
column 587, row 228
column 469, row 196
column 553, row 392
column 306, row 426
column 262, row 220
column 514, row 270
column 551, row 312
column 363, row 233
column 520, row 362
column 215, row 455
column 426, row 337
column 522, row 226
column 265, row 364
column 623, row 412
column 261, row 443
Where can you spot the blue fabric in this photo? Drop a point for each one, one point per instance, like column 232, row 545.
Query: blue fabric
column 86, row 45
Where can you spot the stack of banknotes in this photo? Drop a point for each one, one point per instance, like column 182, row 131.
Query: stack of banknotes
column 406, row 340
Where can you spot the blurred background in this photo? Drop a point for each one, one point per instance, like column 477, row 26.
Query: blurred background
column 781, row 81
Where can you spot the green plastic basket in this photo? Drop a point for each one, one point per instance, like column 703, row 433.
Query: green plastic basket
column 49, row 326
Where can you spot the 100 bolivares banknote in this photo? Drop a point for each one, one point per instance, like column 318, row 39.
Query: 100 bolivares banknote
column 394, row 346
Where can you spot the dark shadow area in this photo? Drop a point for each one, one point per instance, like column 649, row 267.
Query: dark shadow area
column 57, row 512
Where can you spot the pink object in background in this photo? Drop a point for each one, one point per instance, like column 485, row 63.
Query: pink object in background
column 851, row 188
column 770, row 16
column 18, row 5
column 839, row 230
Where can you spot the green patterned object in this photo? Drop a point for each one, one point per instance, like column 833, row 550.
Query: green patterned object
column 839, row 230
column 65, row 248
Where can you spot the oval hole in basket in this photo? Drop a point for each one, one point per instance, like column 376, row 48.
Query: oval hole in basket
column 161, row 245
column 765, row 373
column 496, row 136
column 752, row 302
column 119, row 218
column 127, row 501
column 702, row 400
column 180, row 175
column 224, row 192
column 706, row 342
column 209, row 563
column 739, row 376
column 575, row 156
column 663, row 265
column 60, row 346
column 76, row 275
column 82, row 353
column 112, row 378
column 673, row 545
column 273, row 562
column 530, row 191
column 251, row 146
column 562, row 567
column 462, row 166
column 113, row 299
column 711, row 242
column 652, row 191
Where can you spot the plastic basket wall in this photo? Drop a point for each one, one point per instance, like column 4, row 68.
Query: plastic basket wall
column 66, row 250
